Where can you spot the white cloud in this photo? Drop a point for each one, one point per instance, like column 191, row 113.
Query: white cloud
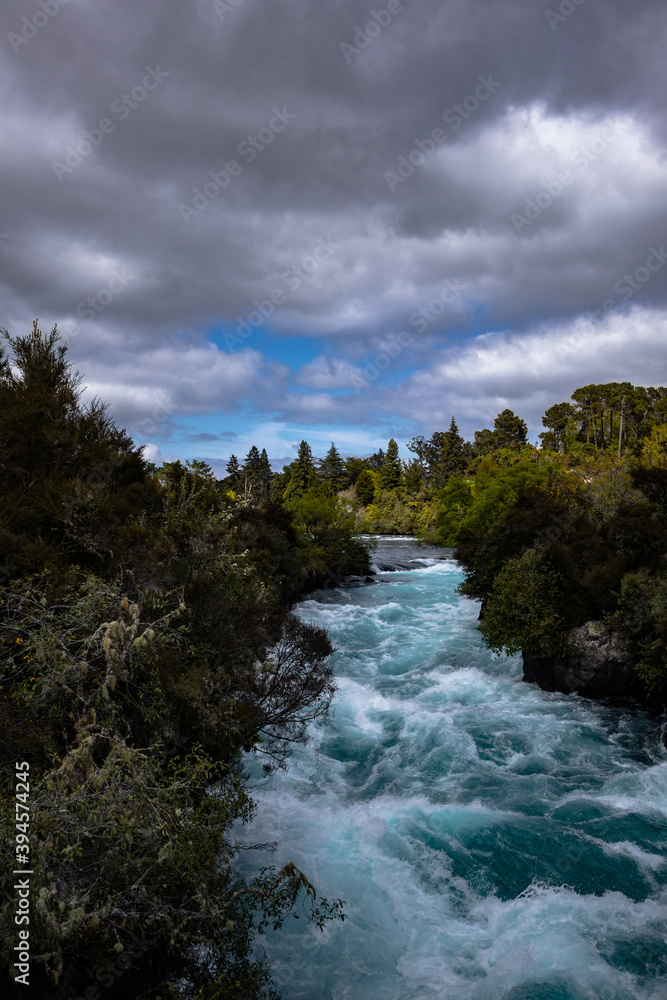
column 329, row 373
column 528, row 371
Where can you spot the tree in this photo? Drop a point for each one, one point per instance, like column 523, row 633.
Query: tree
column 391, row 471
column 418, row 445
column 485, row 442
column 70, row 478
column 365, row 487
column 452, row 455
column 303, row 474
column 265, row 473
column 332, row 468
column 353, row 468
column 413, row 476
column 252, row 475
column 376, row 460
column 509, row 430
column 234, row 474
column 556, row 420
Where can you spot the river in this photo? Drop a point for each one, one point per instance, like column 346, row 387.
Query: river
column 491, row 841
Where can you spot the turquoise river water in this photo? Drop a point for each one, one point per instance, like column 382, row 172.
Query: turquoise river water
column 491, row 841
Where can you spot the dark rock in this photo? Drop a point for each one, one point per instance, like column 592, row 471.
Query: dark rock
column 600, row 666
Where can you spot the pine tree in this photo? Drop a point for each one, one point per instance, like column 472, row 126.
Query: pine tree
column 509, row 430
column 303, row 474
column 234, row 479
column 332, row 468
column 556, row 420
column 266, row 473
column 485, row 442
column 453, row 456
column 252, row 474
column 68, row 475
column 391, row 471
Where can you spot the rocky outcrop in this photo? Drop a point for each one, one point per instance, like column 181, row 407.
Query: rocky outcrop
column 600, row 666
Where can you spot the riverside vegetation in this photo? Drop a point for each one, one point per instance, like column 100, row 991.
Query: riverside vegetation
column 555, row 539
column 145, row 642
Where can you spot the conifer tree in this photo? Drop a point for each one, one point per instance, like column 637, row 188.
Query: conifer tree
column 556, row 420
column 332, row 468
column 253, row 474
column 452, row 456
column 391, row 471
column 66, row 470
column 234, row 474
column 266, row 473
column 303, row 474
column 509, row 430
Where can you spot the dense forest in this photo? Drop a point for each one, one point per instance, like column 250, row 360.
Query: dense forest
column 146, row 641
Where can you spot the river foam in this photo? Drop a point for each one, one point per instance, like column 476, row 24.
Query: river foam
column 492, row 841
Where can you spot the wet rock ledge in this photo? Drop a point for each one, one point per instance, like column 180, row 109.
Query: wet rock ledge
column 601, row 667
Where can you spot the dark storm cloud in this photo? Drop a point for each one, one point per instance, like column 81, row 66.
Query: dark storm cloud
column 413, row 142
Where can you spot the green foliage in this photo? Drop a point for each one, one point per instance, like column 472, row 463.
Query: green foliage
column 641, row 615
column 454, row 502
column 70, row 479
column 150, row 646
column 392, row 512
column 616, row 415
column 451, row 457
column 441, row 457
column 557, row 419
column 522, row 611
column 365, row 487
column 509, row 431
column 302, row 473
column 332, row 469
column 475, row 505
column 234, row 480
column 548, row 545
column 654, row 449
column 326, row 530
column 391, row 471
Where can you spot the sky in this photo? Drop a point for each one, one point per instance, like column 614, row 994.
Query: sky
column 257, row 221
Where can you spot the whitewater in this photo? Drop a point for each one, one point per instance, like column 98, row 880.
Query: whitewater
column 491, row 841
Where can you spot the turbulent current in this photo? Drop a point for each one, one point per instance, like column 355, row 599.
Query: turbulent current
column 491, row 841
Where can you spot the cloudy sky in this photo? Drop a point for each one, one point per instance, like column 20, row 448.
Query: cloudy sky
column 263, row 220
